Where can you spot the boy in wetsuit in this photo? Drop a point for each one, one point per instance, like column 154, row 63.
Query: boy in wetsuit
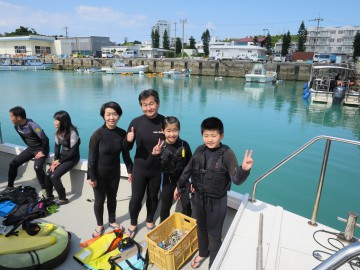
column 212, row 168
column 37, row 147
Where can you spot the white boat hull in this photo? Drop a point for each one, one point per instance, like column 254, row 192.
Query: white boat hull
column 133, row 70
column 268, row 78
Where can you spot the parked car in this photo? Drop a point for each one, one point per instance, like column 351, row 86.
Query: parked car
column 288, row 58
column 77, row 55
column 277, row 57
column 107, row 55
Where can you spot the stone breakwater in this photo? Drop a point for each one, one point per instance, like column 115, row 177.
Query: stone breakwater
column 285, row 71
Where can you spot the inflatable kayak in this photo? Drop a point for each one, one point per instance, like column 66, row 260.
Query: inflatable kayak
column 41, row 259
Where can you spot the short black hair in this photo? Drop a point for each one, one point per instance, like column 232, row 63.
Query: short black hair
column 212, row 123
column 168, row 120
column 18, row 111
column 113, row 105
column 147, row 93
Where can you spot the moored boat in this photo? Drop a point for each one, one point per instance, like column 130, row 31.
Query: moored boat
column 176, row 73
column 120, row 67
column 331, row 84
column 260, row 74
column 23, row 63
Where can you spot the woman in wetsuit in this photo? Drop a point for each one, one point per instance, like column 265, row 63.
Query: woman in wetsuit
column 105, row 147
column 146, row 131
column 66, row 155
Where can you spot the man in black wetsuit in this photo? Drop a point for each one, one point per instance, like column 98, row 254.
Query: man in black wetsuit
column 145, row 130
column 38, row 147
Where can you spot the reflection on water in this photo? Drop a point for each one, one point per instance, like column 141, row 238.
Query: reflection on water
column 273, row 120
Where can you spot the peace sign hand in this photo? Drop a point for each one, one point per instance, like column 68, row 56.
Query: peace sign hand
column 248, row 161
column 157, row 148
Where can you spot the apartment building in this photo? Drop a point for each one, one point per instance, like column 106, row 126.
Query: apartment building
column 337, row 40
column 161, row 26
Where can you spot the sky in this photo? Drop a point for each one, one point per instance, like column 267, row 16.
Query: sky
column 132, row 20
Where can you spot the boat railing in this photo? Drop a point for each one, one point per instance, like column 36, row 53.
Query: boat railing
column 328, row 139
column 339, row 258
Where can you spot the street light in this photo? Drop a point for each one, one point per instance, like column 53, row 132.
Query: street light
column 182, row 43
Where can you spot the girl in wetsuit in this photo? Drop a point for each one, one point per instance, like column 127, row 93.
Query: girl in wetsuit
column 66, row 155
column 174, row 154
column 145, row 130
column 106, row 144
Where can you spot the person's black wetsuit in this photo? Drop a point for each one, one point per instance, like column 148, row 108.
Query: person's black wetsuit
column 36, row 140
column 169, row 180
column 146, row 173
column 210, row 212
column 68, row 154
column 104, row 167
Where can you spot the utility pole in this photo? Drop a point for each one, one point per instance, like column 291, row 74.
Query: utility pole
column 182, row 43
column 318, row 19
column 66, row 31
column 175, row 41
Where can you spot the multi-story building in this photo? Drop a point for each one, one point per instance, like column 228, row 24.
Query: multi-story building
column 161, row 26
column 337, row 40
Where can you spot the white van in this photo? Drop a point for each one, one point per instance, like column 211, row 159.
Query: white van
column 130, row 54
column 107, row 55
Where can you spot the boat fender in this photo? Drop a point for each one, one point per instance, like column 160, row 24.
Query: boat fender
column 305, row 86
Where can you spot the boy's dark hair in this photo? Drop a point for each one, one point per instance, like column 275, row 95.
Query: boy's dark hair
column 147, row 93
column 18, row 111
column 113, row 105
column 168, row 120
column 212, row 123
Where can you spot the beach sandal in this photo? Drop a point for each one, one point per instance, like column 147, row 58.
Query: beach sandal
column 150, row 229
column 132, row 233
column 97, row 233
column 117, row 227
column 197, row 263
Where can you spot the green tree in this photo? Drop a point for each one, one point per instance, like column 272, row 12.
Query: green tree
column 286, row 44
column 178, row 46
column 192, row 43
column 302, row 36
column 255, row 40
column 152, row 37
column 22, row 31
column 205, row 37
column 268, row 44
column 356, row 45
column 156, row 43
column 166, row 41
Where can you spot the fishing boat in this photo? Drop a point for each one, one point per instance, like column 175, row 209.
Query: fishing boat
column 23, row 63
column 176, row 73
column 260, row 74
column 332, row 84
column 120, row 67
column 256, row 234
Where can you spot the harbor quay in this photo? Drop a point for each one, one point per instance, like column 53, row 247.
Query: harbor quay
column 285, row 71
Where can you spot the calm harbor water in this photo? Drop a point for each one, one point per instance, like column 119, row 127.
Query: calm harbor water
column 273, row 120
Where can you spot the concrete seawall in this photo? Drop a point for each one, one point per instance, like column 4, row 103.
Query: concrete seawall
column 285, row 71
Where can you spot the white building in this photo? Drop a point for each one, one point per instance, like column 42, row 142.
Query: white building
column 27, row 45
column 161, row 26
column 227, row 50
column 337, row 40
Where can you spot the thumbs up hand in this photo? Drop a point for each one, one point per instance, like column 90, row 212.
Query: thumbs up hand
column 131, row 135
